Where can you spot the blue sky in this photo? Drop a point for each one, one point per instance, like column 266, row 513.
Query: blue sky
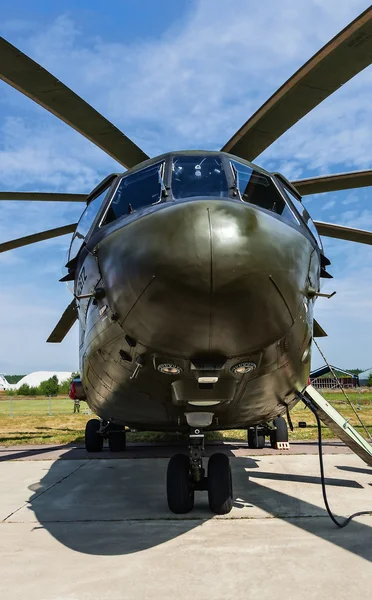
column 173, row 75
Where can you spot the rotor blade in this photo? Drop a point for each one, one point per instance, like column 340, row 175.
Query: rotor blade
column 348, row 53
column 37, row 237
column 344, row 233
column 333, row 183
column 43, row 196
column 22, row 73
column 64, row 324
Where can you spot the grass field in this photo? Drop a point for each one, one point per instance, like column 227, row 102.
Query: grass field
column 27, row 421
column 39, row 405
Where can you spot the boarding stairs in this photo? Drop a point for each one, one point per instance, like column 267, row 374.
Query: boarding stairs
column 339, row 425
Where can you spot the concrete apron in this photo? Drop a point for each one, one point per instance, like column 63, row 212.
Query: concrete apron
column 81, row 529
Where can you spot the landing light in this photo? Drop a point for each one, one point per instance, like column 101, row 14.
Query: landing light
column 208, row 379
column 243, row 367
column 169, row 369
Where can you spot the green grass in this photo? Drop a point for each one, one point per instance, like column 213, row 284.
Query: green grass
column 32, row 424
column 36, row 405
column 365, row 398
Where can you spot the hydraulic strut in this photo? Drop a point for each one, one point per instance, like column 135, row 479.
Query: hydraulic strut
column 196, row 451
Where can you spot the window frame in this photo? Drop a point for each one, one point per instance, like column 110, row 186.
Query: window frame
column 163, row 192
column 197, row 153
column 295, row 220
column 288, row 204
column 284, row 184
column 105, row 185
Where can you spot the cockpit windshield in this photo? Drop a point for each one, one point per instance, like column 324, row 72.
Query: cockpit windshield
column 198, row 176
column 259, row 189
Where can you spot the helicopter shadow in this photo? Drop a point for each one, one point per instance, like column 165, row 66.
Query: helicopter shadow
column 117, row 507
column 355, row 470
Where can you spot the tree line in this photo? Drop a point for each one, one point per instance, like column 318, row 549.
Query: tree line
column 14, row 378
column 49, row 387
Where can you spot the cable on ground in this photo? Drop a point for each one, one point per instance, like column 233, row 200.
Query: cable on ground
column 347, row 520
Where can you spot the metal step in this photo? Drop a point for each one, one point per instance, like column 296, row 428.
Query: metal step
column 340, row 426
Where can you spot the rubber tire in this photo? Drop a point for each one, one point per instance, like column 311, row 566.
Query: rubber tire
column 220, row 491
column 180, row 490
column 117, row 438
column 93, row 441
column 281, row 432
column 254, row 442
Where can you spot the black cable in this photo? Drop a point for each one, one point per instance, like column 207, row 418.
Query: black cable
column 324, row 490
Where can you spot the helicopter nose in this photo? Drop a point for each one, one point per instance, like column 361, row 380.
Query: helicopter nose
column 204, row 276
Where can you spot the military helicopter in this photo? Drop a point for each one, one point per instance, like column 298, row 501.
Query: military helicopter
column 195, row 273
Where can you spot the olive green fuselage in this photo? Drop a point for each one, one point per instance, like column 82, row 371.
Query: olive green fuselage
column 203, row 284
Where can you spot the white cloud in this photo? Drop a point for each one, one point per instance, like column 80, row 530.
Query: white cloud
column 352, row 198
column 31, row 316
column 329, row 204
column 194, row 86
column 347, row 317
column 49, row 155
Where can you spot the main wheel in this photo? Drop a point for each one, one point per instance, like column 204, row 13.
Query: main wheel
column 220, row 492
column 93, row 440
column 255, row 441
column 280, row 434
column 117, row 438
column 180, row 489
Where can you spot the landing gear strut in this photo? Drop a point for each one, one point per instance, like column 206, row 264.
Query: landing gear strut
column 196, row 448
column 186, row 475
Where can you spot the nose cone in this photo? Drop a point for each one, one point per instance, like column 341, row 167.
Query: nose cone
column 205, row 276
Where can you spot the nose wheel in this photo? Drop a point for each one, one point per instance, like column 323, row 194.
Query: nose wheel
column 180, row 488
column 220, row 492
column 186, row 474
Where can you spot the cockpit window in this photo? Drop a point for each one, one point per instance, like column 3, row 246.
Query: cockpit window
column 135, row 191
column 198, row 176
column 259, row 189
column 304, row 214
column 85, row 223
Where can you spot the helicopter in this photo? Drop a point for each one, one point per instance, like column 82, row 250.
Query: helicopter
column 195, row 273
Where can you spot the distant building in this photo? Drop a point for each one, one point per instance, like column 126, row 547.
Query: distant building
column 4, row 385
column 35, row 379
column 364, row 377
column 323, row 378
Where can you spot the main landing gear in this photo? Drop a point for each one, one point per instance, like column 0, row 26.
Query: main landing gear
column 278, row 434
column 96, row 431
column 186, row 475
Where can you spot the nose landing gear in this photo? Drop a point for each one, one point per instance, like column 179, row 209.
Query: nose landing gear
column 220, row 494
column 180, row 488
column 186, row 475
